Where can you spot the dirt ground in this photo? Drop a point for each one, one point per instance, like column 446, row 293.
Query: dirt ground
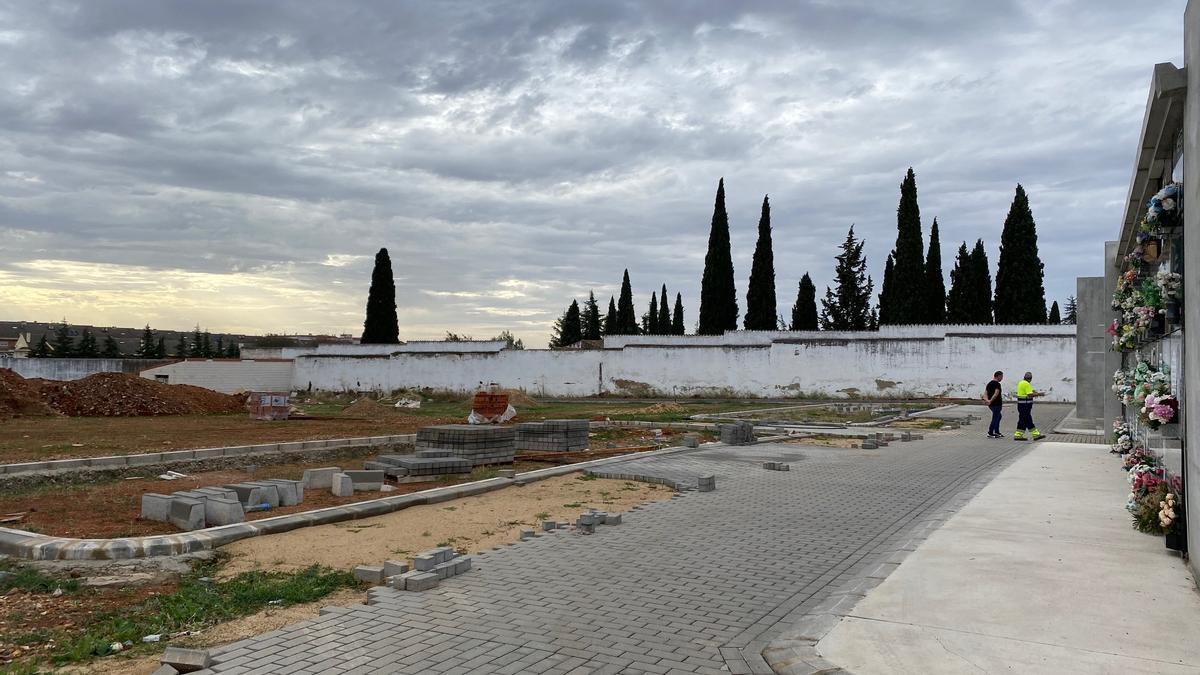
column 470, row 525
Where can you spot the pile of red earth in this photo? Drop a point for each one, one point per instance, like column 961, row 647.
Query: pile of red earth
column 19, row 396
column 121, row 395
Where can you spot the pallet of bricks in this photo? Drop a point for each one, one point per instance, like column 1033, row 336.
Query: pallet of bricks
column 553, row 435
column 478, row 444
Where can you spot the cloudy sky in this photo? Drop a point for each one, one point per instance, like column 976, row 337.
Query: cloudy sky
column 237, row 164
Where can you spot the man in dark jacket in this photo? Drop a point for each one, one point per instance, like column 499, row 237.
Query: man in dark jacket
column 992, row 399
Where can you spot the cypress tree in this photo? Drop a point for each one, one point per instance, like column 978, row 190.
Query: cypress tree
column 160, row 349
column 1020, row 295
column 804, row 312
column 886, row 291
column 718, row 295
column 626, row 319
column 849, row 307
column 761, row 306
column 664, row 313
column 610, row 320
column 40, row 350
column 381, row 325
column 981, row 286
column 1072, row 311
column 677, row 318
column 935, row 284
column 591, row 318
column 906, row 294
column 652, row 316
column 219, row 348
column 569, row 328
column 64, row 344
column 197, row 347
column 87, row 348
column 206, row 345
column 1054, row 318
column 181, row 349
column 111, row 349
column 958, row 300
column 146, row 345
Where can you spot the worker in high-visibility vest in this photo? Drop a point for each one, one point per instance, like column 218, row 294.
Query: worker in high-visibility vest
column 1025, row 395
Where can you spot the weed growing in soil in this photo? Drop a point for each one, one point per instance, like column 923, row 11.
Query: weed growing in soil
column 30, row 579
column 199, row 601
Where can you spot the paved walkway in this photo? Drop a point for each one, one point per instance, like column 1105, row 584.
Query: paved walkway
column 698, row 584
column 1040, row 573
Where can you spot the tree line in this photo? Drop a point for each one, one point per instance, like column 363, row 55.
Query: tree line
column 150, row 346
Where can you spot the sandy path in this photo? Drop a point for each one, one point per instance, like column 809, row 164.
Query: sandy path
column 469, row 524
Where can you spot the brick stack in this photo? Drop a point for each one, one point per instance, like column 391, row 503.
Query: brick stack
column 739, row 433
column 479, row 444
column 424, row 463
column 552, row 435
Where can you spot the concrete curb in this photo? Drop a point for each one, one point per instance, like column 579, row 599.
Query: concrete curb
column 32, row 546
column 60, row 466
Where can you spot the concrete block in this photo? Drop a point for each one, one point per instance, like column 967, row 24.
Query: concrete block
column 321, row 478
column 601, row 517
column 366, row 479
column 691, row 440
column 706, row 483
column 156, row 507
column 250, row 495
column 613, row 519
column 425, row 562
column 186, row 660
column 462, row 564
column 445, row 570
column 288, row 491
column 369, row 574
column 164, row 669
column 342, row 485
column 376, row 466
column 870, row 445
column 421, row 581
column 393, row 568
column 549, row 525
column 267, row 493
column 396, row 581
column 443, row 553
column 222, row 511
column 187, row 514
column 526, row 533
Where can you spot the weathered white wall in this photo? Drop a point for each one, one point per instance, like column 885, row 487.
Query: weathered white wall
column 74, row 369
column 227, row 376
column 902, row 361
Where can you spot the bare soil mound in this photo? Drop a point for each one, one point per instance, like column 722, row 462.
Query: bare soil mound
column 124, row 395
column 368, row 408
column 658, row 408
column 19, row 396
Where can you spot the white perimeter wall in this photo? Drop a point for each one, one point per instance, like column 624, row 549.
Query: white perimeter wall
column 229, row 377
column 904, row 361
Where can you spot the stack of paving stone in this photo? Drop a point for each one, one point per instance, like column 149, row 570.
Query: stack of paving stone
column 423, row 463
column 739, row 433
column 777, row 466
column 429, row 568
column 552, row 435
column 477, row 443
column 586, row 522
column 213, row 506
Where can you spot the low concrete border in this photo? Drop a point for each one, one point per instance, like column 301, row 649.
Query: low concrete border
column 32, row 546
column 56, row 466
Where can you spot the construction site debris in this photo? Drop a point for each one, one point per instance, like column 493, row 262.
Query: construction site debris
column 109, row 395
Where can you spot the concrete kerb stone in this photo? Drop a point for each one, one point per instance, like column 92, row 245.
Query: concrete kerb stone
column 320, row 479
column 31, row 546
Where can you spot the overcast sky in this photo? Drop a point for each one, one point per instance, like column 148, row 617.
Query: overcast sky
column 238, row 164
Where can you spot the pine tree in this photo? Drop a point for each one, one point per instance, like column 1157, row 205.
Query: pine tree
column 849, row 307
column 610, row 320
column 64, row 344
column 1072, row 311
column 958, row 300
column 234, row 351
column 181, row 349
column 87, row 349
column 40, row 350
column 935, row 283
column 111, row 349
column 718, row 295
column 160, row 349
column 761, row 305
column 591, row 318
column 568, row 329
column 804, row 312
column 652, row 315
column 206, row 348
column 1020, row 295
column 381, row 325
column 677, row 317
column 1054, row 319
column 664, row 313
column 981, row 305
column 905, row 294
column 885, row 292
column 197, row 347
column 145, row 348
column 627, row 323
column 219, row 348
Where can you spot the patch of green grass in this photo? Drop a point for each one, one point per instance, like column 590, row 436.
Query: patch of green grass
column 32, row 580
column 586, row 476
column 541, row 516
column 194, row 604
